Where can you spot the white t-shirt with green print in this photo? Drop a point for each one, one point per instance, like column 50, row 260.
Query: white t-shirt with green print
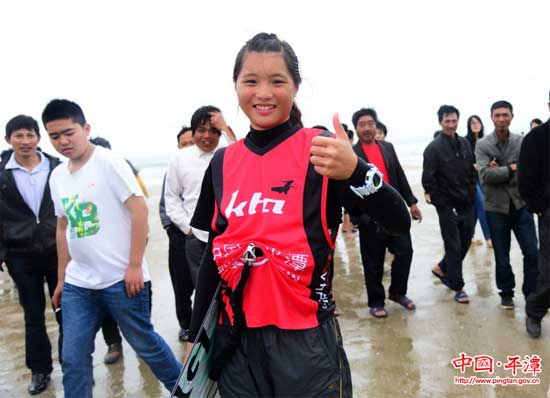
column 98, row 231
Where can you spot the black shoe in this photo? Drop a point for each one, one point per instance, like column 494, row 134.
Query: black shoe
column 114, row 353
column 39, row 382
column 507, row 303
column 183, row 335
column 533, row 327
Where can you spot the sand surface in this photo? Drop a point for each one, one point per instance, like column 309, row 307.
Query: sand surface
column 407, row 354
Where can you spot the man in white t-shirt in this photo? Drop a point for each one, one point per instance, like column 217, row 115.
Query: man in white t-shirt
column 184, row 179
column 101, row 237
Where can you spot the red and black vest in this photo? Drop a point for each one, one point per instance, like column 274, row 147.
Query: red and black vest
column 276, row 200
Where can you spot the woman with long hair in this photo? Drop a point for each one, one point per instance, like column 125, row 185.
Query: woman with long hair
column 475, row 133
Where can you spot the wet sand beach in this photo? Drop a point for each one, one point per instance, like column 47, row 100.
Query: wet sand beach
column 407, row 354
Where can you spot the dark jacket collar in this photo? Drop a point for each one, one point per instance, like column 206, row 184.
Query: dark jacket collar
column 384, row 147
column 261, row 142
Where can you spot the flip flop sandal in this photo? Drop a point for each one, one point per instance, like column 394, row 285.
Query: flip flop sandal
column 374, row 311
column 444, row 279
column 462, row 298
column 404, row 301
column 437, row 275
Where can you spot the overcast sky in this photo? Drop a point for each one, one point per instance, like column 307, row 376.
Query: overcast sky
column 139, row 69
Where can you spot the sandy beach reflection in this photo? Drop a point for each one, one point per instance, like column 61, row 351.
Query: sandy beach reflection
column 407, row 354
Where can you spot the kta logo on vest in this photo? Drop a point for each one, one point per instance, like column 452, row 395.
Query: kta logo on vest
column 268, row 205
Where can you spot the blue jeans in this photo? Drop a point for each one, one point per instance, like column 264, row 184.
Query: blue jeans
column 480, row 213
column 501, row 226
column 83, row 311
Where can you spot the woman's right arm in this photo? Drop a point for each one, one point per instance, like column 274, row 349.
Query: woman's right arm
column 385, row 206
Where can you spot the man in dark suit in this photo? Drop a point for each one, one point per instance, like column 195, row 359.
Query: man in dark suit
column 27, row 239
column 373, row 240
column 534, row 188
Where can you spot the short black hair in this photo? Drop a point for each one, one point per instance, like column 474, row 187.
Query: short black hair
column 348, row 131
column 382, row 127
column 21, row 122
column 103, row 142
column 183, row 129
column 502, row 104
column 363, row 112
column 63, row 109
column 446, row 110
column 201, row 116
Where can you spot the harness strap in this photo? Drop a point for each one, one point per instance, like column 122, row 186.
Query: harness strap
column 239, row 320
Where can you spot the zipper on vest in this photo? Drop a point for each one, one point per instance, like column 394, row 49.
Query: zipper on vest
column 37, row 220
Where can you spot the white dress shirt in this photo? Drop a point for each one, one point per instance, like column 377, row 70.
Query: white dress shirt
column 183, row 187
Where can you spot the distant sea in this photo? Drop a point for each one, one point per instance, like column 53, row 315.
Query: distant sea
column 152, row 169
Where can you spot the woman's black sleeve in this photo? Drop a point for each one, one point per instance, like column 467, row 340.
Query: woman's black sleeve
column 385, row 206
column 204, row 211
column 207, row 282
column 208, row 278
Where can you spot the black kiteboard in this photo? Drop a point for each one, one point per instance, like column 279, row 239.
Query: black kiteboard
column 193, row 381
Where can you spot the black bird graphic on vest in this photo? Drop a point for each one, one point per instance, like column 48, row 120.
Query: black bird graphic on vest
column 283, row 188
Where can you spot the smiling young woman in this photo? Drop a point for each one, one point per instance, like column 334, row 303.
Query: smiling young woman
column 281, row 189
column 265, row 89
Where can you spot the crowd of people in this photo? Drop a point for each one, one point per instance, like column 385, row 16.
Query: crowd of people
column 81, row 227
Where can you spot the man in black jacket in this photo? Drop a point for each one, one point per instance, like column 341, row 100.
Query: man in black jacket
column 373, row 240
column 177, row 261
column 534, row 188
column 27, row 238
column 449, row 180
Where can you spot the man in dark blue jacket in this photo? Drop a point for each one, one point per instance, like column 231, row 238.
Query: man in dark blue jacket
column 373, row 240
column 27, row 238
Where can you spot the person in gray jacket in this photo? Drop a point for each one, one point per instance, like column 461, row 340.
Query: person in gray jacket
column 497, row 156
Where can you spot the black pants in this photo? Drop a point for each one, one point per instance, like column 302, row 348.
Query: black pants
column 457, row 230
column 194, row 250
column 373, row 243
column 29, row 272
column 111, row 334
column 272, row 362
column 538, row 302
column 182, row 283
